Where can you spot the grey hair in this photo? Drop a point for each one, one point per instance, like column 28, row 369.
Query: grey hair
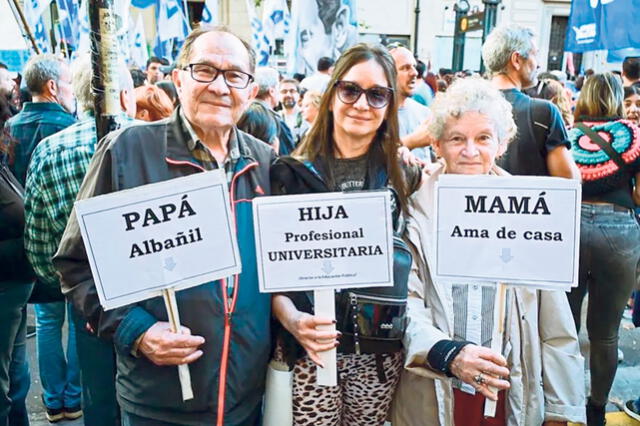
column 266, row 78
column 40, row 69
column 473, row 94
column 82, row 74
column 502, row 43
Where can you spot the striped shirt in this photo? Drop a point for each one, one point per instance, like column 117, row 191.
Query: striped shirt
column 473, row 318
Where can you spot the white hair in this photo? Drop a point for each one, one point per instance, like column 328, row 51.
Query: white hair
column 266, row 78
column 82, row 75
column 502, row 43
column 473, row 94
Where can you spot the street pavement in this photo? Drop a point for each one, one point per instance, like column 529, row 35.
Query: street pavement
column 626, row 385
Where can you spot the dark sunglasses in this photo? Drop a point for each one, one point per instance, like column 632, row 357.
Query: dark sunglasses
column 377, row 97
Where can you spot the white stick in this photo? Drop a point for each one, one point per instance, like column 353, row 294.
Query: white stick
column 496, row 341
column 325, row 306
column 174, row 320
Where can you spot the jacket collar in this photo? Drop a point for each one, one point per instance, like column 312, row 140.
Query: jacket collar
column 43, row 107
column 178, row 138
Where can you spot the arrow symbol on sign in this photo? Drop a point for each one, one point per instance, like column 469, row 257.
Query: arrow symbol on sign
column 327, row 267
column 169, row 264
column 506, row 255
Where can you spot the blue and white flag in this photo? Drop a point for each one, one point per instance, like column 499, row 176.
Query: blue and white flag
column 275, row 20
column 138, row 42
column 171, row 20
column 603, row 25
column 210, row 13
column 259, row 40
column 68, row 21
column 84, row 29
column 40, row 35
column 33, row 10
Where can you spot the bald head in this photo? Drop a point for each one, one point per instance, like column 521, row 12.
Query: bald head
column 220, row 34
column 406, row 69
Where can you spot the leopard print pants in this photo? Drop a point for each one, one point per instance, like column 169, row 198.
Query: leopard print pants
column 360, row 399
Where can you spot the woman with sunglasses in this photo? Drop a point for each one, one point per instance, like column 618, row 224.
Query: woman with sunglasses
column 352, row 145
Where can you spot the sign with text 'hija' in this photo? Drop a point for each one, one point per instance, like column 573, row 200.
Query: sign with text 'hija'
column 517, row 230
column 324, row 241
column 174, row 234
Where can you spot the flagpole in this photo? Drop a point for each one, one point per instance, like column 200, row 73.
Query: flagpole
column 16, row 9
column 104, row 51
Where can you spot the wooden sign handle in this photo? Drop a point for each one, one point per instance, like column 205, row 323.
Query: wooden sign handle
column 496, row 341
column 184, row 375
column 325, row 306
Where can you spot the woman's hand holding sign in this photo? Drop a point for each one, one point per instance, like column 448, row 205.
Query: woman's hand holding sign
column 164, row 347
column 305, row 328
column 481, row 368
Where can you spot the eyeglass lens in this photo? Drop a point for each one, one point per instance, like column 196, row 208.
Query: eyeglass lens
column 377, row 97
column 207, row 73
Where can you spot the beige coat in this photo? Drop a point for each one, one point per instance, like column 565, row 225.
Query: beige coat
column 541, row 346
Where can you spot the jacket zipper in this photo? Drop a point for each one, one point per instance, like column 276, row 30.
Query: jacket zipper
column 228, row 302
column 229, row 308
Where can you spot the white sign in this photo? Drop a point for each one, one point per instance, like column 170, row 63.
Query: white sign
column 324, row 241
column 174, row 234
column 517, row 230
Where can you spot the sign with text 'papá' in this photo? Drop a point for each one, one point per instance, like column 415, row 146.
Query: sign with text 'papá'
column 324, row 241
column 174, row 234
column 517, row 230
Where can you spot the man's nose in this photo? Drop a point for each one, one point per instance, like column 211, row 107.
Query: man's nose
column 218, row 85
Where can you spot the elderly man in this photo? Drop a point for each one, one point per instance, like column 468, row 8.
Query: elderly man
column 57, row 168
column 412, row 116
column 541, row 147
column 49, row 80
column 267, row 80
column 226, row 325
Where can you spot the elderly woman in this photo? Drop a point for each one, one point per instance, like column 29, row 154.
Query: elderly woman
column 450, row 368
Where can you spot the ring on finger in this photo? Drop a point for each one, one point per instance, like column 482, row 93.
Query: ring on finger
column 479, row 379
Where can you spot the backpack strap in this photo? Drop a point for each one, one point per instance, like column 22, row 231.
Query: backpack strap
column 539, row 121
column 604, row 145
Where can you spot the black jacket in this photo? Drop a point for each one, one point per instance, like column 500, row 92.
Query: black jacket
column 155, row 152
column 14, row 266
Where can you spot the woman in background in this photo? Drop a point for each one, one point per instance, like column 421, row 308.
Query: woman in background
column 152, row 103
column 606, row 148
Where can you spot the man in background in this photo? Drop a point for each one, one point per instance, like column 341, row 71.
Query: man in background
column 154, row 71
column 58, row 166
column 319, row 80
column 541, row 146
column 412, row 116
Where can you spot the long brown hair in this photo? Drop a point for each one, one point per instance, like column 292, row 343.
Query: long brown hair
column 601, row 96
column 383, row 150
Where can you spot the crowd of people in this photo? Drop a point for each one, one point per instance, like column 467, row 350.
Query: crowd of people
column 374, row 119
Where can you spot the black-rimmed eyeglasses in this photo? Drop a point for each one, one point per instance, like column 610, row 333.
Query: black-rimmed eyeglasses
column 377, row 96
column 205, row 73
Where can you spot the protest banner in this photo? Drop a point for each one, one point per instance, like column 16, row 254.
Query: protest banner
column 155, row 239
column 321, row 243
column 515, row 230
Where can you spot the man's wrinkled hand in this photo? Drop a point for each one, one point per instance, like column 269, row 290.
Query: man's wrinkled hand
column 164, row 347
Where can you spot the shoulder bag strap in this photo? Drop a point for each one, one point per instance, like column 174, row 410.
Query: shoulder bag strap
column 606, row 147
